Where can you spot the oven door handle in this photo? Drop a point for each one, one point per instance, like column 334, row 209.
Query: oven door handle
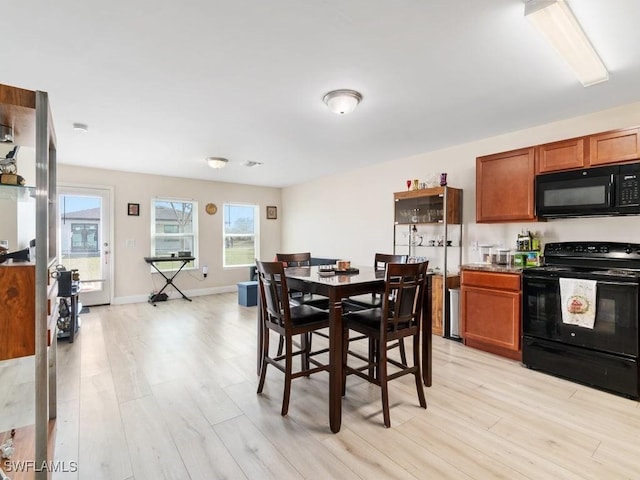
column 535, row 280
column 630, row 283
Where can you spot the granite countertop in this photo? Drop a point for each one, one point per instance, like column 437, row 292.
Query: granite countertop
column 489, row 267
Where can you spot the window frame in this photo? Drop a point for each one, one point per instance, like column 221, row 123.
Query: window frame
column 255, row 234
column 158, row 233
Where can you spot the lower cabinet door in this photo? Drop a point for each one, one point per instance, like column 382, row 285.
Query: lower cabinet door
column 491, row 320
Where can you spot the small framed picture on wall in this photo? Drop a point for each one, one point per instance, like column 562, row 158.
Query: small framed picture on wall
column 133, row 209
column 272, row 213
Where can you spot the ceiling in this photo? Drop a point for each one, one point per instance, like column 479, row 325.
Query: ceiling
column 164, row 84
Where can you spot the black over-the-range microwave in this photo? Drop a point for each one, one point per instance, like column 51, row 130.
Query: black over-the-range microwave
column 610, row 190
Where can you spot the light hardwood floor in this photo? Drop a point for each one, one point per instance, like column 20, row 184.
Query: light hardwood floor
column 169, row 392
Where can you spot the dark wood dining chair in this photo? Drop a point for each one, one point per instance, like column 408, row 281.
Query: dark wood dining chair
column 374, row 300
column 298, row 298
column 287, row 321
column 380, row 262
column 399, row 318
column 302, row 259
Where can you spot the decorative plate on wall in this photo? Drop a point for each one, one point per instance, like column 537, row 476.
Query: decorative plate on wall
column 211, row 208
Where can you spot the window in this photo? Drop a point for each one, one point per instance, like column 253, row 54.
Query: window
column 84, row 238
column 174, row 229
column 240, row 237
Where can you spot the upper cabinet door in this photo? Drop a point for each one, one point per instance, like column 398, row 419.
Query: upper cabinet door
column 614, row 147
column 505, row 187
column 563, row 155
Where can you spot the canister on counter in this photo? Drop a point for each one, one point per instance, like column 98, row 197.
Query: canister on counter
column 519, row 259
column 503, row 256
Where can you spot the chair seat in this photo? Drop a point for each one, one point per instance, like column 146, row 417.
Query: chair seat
column 366, row 301
column 306, row 315
column 369, row 319
column 317, row 301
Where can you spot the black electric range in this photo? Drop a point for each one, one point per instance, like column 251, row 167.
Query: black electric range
column 604, row 354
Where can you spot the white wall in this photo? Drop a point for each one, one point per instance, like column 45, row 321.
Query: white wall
column 133, row 280
column 351, row 215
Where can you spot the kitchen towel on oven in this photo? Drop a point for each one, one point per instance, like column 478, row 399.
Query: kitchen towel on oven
column 578, row 299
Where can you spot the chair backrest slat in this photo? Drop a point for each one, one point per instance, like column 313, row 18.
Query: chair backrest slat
column 295, row 259
column 404, row 294
column 382, row 259
column 273, row 292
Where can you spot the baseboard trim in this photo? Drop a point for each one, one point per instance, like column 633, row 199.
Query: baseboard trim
column 175, row 295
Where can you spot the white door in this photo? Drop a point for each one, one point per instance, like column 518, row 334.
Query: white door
column 84, row 241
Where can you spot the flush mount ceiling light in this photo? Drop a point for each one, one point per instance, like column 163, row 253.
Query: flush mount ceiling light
column 6, row 134
column 342, row 101
column 217, row 162
column 81, row 127
column 556, row 22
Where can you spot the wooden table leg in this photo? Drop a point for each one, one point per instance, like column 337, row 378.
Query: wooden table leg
column 335, row 364
column 260, row 333
column 426, row 334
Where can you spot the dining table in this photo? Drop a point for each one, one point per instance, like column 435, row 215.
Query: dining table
column 336, row 287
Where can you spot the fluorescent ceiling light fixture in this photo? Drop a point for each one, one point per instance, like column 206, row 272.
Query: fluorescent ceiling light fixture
column 217, row 162
column 556, row 22
column 6, row 134
column 81, row 127
column 342, row 101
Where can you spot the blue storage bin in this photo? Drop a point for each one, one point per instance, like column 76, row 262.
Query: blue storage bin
column 248, row 293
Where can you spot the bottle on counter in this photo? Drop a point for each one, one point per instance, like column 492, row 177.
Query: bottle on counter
column 535, row 242
column 524, row 241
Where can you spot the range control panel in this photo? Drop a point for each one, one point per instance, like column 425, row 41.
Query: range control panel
column 628, row 182
column 612, row 250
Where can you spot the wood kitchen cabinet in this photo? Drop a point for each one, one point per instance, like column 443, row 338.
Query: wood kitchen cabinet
column 18, row 307
column 606, row 148
column 437, row 323
column 491, row 312
column 563, row 155
column 432, row 212
column 505, row 186
column 614, row 147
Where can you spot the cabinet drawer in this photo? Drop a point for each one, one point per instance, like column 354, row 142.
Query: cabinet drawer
column 501, row 281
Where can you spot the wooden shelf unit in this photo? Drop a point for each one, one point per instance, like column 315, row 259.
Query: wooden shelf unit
column 28, row 113
column 437, row 209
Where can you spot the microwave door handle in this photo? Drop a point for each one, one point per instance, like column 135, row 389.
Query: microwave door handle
column 611, row 192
